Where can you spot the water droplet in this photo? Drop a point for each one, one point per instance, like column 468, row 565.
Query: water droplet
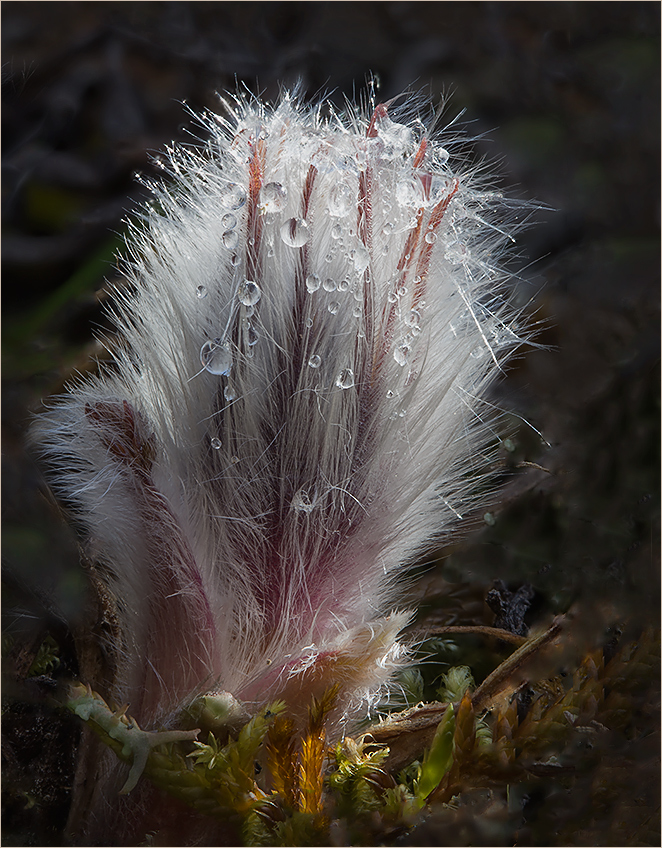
column 272, row 198
column 333, row 307
column 441, row 156
column 361, row 258
column 402, row 291
column 457, row 253
column 401, row 353
column 417, row 280
column 343, row 285
column 345, row 379
column 361, row 160
column 315, row 361
column 228, row 221
column 336, row 231
column 460, row 211
column 229, row 394
column 392, row 297
column 313, row 282
column 356, row 312
column 430, row 237
column 390, row 394
column 302, row 503
column 216, row 357
column 233, row 196
column 216, row 443
column 409, row 192
column 235, row 260
column 413, row 319
column 438, row 190
column 249, row 293
column 397, row 136
column 340, row 199
column 294, row 232
column 271, row 252
column 329, row 285
column 387, row 229
column 309, row 322
column 328, row 257
column 201, row 291
column 252, row 336
column 230, row 238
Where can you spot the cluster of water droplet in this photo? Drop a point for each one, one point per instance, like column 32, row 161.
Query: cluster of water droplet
column 403, row 199
column 233, row 198
column 248, row 295
column 216, row 354
column 406, row 196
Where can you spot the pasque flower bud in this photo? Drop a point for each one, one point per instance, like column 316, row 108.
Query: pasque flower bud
column 314, row 311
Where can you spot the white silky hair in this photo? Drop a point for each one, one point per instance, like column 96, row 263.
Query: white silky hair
column 313, row 312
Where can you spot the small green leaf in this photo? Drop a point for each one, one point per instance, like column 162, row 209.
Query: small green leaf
column 439, row 758
column 210, row 754
column 47, row 659
column 455, row 683
column 412, row 683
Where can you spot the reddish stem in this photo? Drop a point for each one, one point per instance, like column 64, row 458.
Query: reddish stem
column 425, row 255
column 254, row 223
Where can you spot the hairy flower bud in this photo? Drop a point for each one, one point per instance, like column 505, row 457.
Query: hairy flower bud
column 314, row 312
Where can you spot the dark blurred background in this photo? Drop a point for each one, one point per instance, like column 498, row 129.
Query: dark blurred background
column 565, row 97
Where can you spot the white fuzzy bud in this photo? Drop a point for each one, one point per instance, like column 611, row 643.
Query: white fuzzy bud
column 315, row 311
